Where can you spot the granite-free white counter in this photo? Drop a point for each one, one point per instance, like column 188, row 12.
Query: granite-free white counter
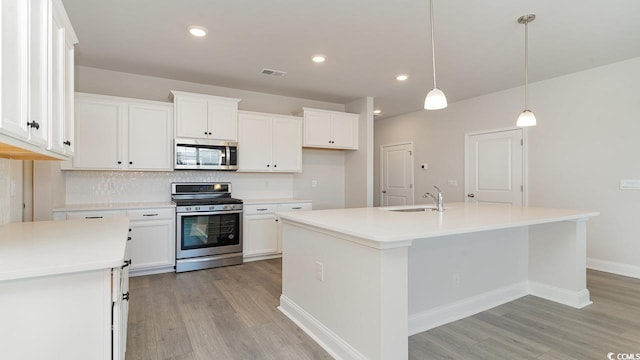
column 43, row 248
column 274, row 201
column 382, row 225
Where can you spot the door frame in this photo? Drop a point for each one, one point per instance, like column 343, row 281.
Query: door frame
column 412, row 169
column 525, row 163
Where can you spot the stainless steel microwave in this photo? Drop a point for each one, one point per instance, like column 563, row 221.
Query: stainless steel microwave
column 201, row 154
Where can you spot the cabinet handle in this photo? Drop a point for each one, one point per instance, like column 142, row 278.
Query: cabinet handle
column 126, row 263
column 268, row 165
column 68, row 143
column 93, row 217
column 156, row 214
column 296, row 208
column 262, row 209
column 205, row 133
column 119, row 162
column 33, row 124
column 130, row 162
column 128, row 238
column 274, row 165
column 125, row 296
column 209, row 133
column 276, row 220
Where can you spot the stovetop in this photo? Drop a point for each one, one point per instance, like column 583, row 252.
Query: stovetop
column 206, row 201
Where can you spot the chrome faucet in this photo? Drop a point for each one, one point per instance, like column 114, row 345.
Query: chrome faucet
column 439, row 200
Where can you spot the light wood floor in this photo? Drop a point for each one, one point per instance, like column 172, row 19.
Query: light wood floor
column 230, row 313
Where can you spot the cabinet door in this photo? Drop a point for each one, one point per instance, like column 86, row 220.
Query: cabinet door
column 223, row 120
column 150, row 137
column 260, row 235
column 317, row 129
column 191, row 117
column 58, row 105
column 151, row 244
column 39, row 72
column 69, row 97
column 287, row 144
column 254, row 145
column 100, row 129
column 14, row 61
column 344, row 130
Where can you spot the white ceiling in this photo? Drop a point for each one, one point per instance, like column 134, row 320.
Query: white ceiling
column 479, row 44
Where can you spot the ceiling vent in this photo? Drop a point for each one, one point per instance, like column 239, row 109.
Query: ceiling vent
column 274, row 73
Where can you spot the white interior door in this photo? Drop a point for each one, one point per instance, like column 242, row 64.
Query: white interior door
column 495, row 167
column 397, row 175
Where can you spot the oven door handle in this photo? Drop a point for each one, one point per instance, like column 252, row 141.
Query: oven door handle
column 205, row 213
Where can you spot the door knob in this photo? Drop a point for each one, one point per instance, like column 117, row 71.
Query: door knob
column 472, row 195
column 384, row 191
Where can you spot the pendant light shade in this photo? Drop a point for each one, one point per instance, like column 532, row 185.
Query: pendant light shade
column 526, row 118
column 435, row 99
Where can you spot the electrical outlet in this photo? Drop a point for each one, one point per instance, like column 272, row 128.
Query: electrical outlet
column 319, row 271
column 456, row 280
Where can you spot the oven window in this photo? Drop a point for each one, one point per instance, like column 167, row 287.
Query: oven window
column 210, row 231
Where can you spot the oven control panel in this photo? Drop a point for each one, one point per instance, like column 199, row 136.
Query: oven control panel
column 209, row 208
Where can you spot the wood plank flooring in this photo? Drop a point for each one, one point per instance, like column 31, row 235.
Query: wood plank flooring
column 230, row 313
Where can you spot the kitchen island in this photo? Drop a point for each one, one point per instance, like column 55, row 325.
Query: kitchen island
column 64, row 289
column 360, row 281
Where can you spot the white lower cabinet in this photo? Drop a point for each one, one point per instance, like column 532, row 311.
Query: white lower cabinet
column 260, row 229
column 151, row 236
column 80, row 315
column 152, row 242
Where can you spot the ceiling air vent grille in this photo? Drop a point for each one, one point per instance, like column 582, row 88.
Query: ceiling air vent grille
column 274, row 73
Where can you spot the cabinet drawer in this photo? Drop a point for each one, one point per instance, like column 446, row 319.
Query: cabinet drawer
column 260, row 209
column 294, row 207
column 151, row 214
column 95, row 214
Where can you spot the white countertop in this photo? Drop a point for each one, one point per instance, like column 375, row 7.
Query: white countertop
column 116, row 206
column 381, row 225
column 274, row 201
column 42, row 248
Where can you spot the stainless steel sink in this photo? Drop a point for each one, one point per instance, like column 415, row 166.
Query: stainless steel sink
column 419, row 209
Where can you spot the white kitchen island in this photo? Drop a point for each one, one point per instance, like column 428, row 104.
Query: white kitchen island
column 63, row 289
column 361, row 281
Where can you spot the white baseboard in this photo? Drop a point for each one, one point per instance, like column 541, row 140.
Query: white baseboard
column 461, row 309
column 327, row 339
column 152, row 271
column 614, row 267
column 261, row 257
column 576, row 299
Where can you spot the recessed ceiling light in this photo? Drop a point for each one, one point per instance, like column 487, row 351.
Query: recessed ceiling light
column 402, row 77
column 319, row 58
column 377, row 112
column 198, row 31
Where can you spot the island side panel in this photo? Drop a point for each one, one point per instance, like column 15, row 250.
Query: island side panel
column 359, row 308
column 558, row 262
column 455, row 276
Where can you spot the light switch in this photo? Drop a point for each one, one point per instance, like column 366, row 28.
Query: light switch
column 452, row 183
column 629, row 184
column 13, row 187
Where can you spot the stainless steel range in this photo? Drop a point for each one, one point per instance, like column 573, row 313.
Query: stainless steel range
column 208, row 226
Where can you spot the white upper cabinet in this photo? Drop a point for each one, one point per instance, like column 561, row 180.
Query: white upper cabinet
column 122, row 134
column 269, row 143
column 330, row 129
column 201, row 116
column 32, row 31
column 61, row 131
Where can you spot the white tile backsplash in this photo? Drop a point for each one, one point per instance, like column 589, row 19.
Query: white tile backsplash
column 108, row 187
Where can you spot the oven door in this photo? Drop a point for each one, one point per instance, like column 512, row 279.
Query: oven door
column 208, row 233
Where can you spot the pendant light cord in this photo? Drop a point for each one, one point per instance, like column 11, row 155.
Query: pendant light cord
column 526, row 65
column 433, row 46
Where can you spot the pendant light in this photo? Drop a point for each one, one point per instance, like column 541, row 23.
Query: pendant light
column 435, row 99
column 526, row 118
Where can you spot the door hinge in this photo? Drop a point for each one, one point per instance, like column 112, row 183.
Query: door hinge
column 410, row 186
column 521, row 188
column 410, row 153
column 521, row 142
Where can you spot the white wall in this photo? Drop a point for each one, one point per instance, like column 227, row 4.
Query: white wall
column 359, row 163
column 586, row 140
column 5, row 202
column 326, row 168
